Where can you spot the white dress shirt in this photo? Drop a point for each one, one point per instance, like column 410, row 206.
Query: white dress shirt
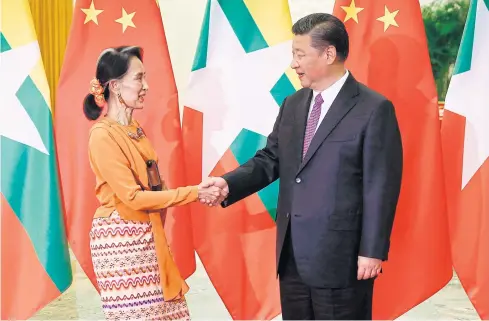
column 329, row 95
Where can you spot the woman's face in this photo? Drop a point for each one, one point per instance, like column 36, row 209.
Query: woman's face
column 133, row 85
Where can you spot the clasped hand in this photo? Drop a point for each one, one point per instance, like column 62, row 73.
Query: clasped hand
column 213, row 191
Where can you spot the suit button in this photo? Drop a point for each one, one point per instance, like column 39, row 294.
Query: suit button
column 288, row 214
column 298, row 180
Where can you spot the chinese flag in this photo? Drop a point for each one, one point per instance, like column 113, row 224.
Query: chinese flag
column 98, row 24
column 389, row 53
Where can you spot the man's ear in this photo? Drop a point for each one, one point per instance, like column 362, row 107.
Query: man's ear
column 330, row 53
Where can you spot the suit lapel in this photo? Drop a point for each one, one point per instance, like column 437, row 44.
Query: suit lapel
column 344, row 102
column 300, row 128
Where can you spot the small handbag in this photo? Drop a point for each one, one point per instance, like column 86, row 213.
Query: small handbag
column 154, row 179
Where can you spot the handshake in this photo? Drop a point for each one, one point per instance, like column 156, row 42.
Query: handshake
column 213, row 191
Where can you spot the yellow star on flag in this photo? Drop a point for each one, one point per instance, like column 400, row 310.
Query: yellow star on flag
column 389, row 18
column 351, row 11
column 126, row 20
column 91, row 14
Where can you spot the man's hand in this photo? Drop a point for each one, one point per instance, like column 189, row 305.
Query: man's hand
column 368, row 267
column 209, row 194
column 216, row 184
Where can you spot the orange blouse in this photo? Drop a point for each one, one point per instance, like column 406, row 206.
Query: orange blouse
column 120, row 170
column 119, row 164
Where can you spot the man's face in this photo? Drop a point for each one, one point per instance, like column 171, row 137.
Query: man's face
column 310, row 64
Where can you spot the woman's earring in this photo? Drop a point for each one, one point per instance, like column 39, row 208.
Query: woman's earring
column 119, row 96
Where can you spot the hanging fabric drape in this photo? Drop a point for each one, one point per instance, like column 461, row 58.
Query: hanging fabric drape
column 52, row 20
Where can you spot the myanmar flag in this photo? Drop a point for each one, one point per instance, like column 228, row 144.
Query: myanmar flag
column 35, row 263
column 97, row 25
column 465, row 132
column 389, row 53
column 239, row 79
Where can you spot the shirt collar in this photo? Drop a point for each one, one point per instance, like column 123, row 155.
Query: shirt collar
column 334, row 88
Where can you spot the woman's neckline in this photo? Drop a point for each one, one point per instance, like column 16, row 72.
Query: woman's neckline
column 131, row 124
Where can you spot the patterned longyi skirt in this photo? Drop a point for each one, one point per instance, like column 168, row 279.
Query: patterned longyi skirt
column 125, row 264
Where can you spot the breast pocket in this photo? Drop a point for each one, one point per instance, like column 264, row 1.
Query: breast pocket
column 341, row 137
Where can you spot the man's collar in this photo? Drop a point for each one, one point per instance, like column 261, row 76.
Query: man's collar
column 336, row 86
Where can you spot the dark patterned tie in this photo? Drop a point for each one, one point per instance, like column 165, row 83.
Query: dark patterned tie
column 312, row 123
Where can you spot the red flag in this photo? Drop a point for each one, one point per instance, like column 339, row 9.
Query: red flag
column 465, row 152
column 389, row 53
column 99, row 24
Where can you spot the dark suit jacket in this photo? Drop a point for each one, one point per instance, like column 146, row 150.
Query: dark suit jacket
column 341, row 199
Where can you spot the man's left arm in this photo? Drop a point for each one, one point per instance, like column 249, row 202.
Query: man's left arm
column 382, row 173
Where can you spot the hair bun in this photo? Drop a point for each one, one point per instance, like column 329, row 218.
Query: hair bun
column 98, row 92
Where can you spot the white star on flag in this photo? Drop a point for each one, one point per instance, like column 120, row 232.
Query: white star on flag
column 15, row 123
column 233, row 90
column 471, row 97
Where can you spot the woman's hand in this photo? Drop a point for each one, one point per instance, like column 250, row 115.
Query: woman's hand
column 209, row 194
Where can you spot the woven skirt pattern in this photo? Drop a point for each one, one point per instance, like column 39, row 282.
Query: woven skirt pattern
column 126, row 268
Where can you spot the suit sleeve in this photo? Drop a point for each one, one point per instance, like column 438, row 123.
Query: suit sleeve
column 382, row 173
column 259, row 171
column 111, row 165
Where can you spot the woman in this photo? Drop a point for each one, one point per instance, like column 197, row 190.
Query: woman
column 135, row 271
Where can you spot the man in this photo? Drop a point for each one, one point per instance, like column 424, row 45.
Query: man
column 337, row 150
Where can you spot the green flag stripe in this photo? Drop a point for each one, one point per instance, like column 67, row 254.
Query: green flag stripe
column 244, row 147
column 200, row 59
column 282, row 89
column 31, row 187
column 464, row 57
column 4, row 45
column 33, row 194
column 243, row 25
